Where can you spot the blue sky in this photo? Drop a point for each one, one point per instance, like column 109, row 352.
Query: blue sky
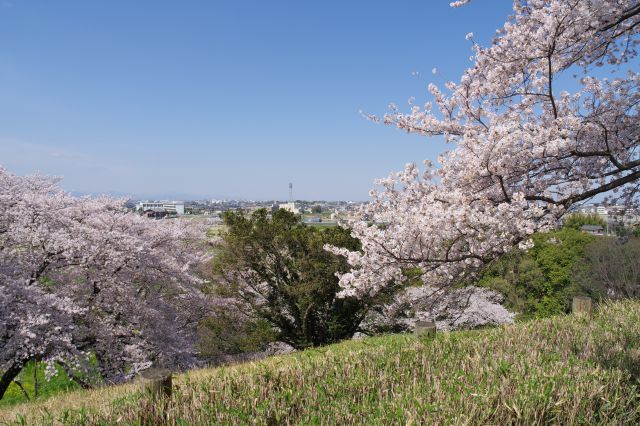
column 223, row 98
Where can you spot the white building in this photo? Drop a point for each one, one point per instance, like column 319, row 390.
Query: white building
column 290, row 206
column 613, row 215
column 170, row 207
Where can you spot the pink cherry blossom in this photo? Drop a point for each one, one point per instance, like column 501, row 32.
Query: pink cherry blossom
column 526, row 146
column 83, row 277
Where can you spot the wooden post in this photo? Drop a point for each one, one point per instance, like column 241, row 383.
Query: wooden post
column 156, row 382
column 582, row 306
column 425, row 329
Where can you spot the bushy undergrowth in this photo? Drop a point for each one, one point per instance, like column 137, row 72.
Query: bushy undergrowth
column 562, row 370
column 541, row 282
column 46, row 388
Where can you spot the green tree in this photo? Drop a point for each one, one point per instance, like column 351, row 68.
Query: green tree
column 230, row 332
column 277, row 270
column 540, row 282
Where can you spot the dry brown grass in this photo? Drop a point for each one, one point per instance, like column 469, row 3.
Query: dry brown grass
column 563, row 370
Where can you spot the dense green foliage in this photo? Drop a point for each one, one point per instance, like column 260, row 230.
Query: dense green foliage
column 46, row 388
column 540, row 282
column 278, row 271
column 562, row 370
column 223, row 334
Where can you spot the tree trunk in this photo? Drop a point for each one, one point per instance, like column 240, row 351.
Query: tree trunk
column 8, row 376
column 35, row 379
column 24, row 392
column 308, row 325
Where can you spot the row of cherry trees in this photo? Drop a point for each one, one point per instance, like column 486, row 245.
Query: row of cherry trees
column 83, row 282
column 547, row 117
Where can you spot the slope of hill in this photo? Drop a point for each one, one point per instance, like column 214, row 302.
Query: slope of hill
column 563, row 370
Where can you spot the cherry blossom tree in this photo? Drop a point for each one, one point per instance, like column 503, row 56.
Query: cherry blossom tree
column 464, row 308
column 546, row 117
column 82, row 279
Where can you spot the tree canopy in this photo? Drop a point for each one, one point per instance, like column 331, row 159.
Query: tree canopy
column 541, row 281
column 547, row 116
column 83, row 279
column 277, row 269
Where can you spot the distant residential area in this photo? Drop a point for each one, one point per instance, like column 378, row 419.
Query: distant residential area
column 615, row 220
column 322, row 213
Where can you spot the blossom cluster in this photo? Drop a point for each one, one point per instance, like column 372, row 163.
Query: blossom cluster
column 523, row 151
column 82, row 275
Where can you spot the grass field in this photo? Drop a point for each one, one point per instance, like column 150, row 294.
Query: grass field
column 563, row 370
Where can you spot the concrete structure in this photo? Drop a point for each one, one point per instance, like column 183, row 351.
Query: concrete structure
column 624, row 215
column 290, row 206
column 614, row 216
column 593, row 229
column 170, row 207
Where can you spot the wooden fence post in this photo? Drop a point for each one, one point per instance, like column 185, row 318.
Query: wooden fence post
column 425, row 329
column 156, row 382
column 582, row 306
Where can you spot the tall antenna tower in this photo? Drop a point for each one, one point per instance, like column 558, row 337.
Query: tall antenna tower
column 290, row 192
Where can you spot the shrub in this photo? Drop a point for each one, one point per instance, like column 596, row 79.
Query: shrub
column 540, row 282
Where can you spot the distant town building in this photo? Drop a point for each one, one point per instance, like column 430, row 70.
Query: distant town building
column 592, row 229
column 614, row 216
column 290, row 206
column 612, row 213
column 169, row 207
column 154, row 214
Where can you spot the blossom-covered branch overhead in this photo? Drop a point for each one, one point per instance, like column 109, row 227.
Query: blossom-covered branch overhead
column 546, row 117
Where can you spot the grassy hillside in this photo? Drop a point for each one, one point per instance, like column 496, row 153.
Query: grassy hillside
column 562, row 370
